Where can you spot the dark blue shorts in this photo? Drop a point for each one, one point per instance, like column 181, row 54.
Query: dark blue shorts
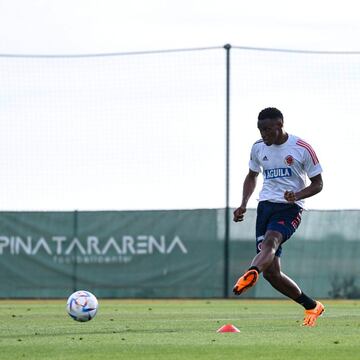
column 281, row 217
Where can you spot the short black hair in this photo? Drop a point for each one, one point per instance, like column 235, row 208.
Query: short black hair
column 270, row 113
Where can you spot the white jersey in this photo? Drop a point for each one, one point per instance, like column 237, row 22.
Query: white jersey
column 284, row 167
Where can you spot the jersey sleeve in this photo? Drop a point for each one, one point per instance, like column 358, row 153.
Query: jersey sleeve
column 254, row 163
column 312, row 165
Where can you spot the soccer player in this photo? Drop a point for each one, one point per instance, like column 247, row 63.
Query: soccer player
column 285, row 161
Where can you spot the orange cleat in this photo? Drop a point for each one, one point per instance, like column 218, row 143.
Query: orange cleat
column 244, row 283
column 312, row 314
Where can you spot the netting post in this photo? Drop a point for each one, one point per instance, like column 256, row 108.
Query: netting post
column 75, row 233
column 227, row 48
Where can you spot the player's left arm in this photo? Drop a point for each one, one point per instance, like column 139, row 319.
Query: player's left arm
column 316, row 185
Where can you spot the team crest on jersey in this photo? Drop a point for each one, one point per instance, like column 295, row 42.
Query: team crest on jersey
column 289, row 160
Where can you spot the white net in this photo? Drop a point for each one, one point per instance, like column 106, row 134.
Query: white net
column 119, row 132
column 147, row 131
column 318, row 96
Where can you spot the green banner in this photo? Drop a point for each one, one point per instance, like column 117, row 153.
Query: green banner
column 160, row 254
column 322, row 256
column 113, row 254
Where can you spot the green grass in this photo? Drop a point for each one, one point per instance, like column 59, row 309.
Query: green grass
column 178, row 329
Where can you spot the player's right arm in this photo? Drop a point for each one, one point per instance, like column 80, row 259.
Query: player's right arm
column 248, row 189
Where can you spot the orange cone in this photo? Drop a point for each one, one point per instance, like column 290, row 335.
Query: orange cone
column 228, row 328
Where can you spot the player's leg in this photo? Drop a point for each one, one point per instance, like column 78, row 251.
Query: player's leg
column 282, row 282
column 265, row 210
column 288, row 287
column 274, row 225
column 269, row 245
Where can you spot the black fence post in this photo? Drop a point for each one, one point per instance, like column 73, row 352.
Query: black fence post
column 75, row 234
column 227, row 47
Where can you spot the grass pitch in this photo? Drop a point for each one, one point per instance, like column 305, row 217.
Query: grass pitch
column 178, row 329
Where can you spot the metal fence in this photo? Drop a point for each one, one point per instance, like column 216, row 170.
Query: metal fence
column 168, row 129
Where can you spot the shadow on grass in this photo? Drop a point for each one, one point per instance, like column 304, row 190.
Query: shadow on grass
column 89, row 332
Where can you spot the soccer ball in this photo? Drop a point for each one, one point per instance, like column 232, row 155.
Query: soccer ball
column 82, row 305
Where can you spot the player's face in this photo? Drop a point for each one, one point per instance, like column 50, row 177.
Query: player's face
column 270, row 130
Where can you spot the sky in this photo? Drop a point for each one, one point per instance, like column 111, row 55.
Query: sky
column 45, row 153
column 87, row 26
